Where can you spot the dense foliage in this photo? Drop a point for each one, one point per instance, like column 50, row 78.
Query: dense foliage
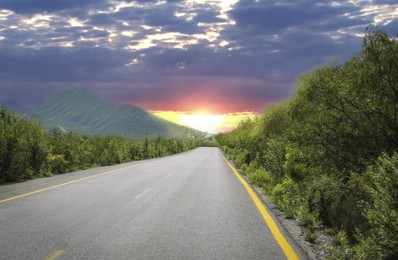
column 28, row 151
column 329, row 154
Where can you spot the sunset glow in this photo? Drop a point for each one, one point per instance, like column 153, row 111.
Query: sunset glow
column 203, row 122
column 206, row 122
column 228, row 57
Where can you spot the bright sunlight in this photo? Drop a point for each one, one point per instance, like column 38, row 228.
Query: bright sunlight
column 203, row 122
column 206, row 122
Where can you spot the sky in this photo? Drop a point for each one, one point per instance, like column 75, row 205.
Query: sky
column 182, row 60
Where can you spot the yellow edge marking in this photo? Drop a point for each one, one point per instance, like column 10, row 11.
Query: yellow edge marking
column 54, row 255
column 142, row 193
column 64, row 184
column 286, row 248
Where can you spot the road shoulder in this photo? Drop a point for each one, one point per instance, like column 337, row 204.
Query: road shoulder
column 290, row 228
column 294, row 232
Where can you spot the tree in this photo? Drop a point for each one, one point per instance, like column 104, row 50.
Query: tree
column 23, row 147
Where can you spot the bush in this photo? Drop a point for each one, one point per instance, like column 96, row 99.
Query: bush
column 56, row 163
column 317, row 147
column 287, row 196
column 341, row 249
column 262, row 178
column 381, row 240
column 243, row 157
column 274, row 158
column 23, row 147
column 27, row 151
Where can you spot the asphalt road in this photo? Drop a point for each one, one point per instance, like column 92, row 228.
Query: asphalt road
column 186, row 206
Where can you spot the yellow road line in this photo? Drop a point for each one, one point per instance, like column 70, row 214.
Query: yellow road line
column 171, row 173
column 142, row 193
column 280, row 239
column 64, row 184
column 54, row 255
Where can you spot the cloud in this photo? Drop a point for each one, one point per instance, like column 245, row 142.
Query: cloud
column 33, row 6
column 60, row 64
column 391, row 28
column 170, row 55
column 272, row 17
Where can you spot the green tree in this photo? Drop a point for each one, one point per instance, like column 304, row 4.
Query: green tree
column 23, row 147
column 312, row 152
column 381, row 240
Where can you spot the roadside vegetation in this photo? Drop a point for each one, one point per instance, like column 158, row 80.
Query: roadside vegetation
column 28, row 151
column 328, row 155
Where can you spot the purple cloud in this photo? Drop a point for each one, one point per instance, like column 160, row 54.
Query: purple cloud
column 166, row 55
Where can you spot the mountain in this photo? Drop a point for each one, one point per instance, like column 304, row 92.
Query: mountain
column 13, row 105
column 80, row 111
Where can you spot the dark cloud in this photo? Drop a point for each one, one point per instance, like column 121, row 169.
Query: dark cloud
column 171, row 59
column 34, row 6
column 391, row 28
column 271, row 17
column 94, row 34
column 383, row 1
column 286, row 39
column 150, row 54
column 208, row 16
column 243, row 94
column 161, row 17
column 101, row 19
column 60, row 64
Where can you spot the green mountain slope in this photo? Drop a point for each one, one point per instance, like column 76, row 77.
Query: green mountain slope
column 8, row 103
column 80, row 111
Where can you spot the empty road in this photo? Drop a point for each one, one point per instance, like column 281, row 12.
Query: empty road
column 186, row 206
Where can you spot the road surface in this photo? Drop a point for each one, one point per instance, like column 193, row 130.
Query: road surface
column 186, row 206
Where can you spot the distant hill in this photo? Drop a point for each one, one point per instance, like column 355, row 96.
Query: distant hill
column 80, row 111
column 13, row 105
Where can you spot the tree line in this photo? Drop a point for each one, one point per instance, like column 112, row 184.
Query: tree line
column 28, row 151
column 328, row 155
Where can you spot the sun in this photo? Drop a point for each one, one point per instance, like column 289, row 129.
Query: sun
column 203, row 122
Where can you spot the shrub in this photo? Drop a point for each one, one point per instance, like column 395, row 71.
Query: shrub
column 262, row 178
column 23, row 147
column 381, row 241
column 341, row 248
column 56, row 163
column 287, row 196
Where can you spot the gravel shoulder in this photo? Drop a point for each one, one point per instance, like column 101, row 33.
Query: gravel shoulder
column 293, row 231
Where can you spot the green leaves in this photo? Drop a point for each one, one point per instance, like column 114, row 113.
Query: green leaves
column 317, row 148
column 381, row 241
column 23, row 147
column 27, row 151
